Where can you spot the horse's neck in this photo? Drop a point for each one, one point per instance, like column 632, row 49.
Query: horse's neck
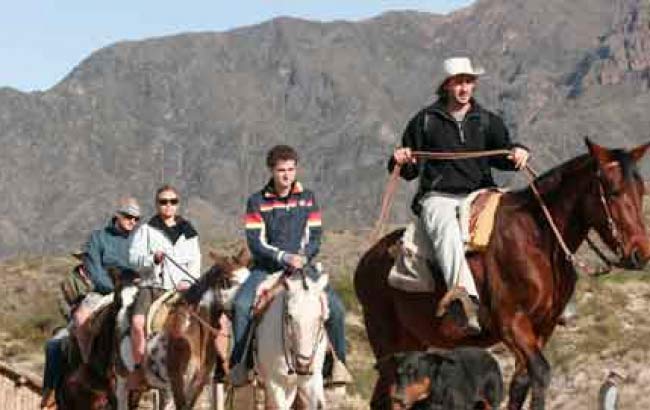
column 565, row 204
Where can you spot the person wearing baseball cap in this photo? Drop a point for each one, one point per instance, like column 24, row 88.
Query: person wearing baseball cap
column 455, row 122
column 107, row 247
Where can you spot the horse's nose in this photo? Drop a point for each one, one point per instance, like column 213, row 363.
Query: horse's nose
column 303, row 370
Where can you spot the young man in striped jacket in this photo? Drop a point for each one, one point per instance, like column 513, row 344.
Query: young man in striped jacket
column 283, row 231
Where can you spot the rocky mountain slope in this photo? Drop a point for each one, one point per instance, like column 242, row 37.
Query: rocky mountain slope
column 199, row 110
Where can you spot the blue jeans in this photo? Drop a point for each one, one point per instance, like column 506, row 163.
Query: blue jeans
column 241, row 317
column 54, row 359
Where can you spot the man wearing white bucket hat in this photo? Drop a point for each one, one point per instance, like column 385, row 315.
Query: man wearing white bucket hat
column 455, row 122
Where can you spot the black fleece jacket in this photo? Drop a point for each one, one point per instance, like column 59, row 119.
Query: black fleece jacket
column 434, row 129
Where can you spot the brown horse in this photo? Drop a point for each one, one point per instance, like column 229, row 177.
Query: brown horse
column 183, row 355
column 524, row 278
column 90, row 385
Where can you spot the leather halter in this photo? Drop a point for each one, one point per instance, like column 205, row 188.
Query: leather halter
column 290, row 355
column 615, row 233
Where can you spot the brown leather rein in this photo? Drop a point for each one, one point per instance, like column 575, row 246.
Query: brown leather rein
column 393, row 180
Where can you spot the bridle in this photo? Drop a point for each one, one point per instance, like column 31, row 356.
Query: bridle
column 611, row 223
column 291, row 357
column 615, row 233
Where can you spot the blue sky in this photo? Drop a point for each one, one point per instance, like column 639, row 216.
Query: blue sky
column 42, row 40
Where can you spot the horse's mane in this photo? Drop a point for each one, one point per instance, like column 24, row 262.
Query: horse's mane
column 553, row 178
column 206, row 281
column 550, row 181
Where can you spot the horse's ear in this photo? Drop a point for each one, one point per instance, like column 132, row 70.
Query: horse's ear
column 600, row 153
column 638, row 152
column 218, row 259
column 243, row 257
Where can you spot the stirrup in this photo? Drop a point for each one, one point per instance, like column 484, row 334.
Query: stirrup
column 339, row 375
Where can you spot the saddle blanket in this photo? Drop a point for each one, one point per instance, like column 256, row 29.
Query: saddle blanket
column 412, row 270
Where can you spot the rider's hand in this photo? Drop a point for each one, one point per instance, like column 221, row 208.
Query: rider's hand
column 403, row 156
column 294, row 261
column 519, row 156
column 158, row 257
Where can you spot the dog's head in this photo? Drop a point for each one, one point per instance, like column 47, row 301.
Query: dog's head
column 415, row 373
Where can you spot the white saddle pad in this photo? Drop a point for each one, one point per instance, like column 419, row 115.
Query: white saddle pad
column 411, row 272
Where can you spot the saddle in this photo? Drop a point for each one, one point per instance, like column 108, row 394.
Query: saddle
column 413, row 270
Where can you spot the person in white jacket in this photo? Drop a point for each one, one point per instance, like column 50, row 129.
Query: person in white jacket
column 166, row 253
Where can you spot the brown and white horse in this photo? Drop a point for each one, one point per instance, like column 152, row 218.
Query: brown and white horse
column 181, row 357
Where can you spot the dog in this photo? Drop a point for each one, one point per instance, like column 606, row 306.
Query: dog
column 465, row 378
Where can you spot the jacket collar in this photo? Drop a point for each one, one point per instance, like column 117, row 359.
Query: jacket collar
column 269, row 189
column 440, row 107
column 182, row 227
column 114, row 230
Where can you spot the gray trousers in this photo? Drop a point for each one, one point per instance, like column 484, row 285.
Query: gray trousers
column 439, row 216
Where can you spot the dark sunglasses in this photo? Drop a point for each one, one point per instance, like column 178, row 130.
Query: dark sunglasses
column 127, row 216
column 164, row 201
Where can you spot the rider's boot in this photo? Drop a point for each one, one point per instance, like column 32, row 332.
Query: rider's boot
column 340, row 374
column 463, row 308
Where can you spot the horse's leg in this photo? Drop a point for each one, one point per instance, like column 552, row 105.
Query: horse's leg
column 122, row 393
column 178, row 357
column 381, row 394
column 196, row 385
column 165, row 400
column 519, row 386
column 525, row 344
column 539, row 391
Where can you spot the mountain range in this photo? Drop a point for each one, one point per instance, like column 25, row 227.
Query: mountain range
column 200, row 110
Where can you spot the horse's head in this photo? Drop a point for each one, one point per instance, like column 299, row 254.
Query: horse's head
column 615, row 206
column 224, row 270
column 229, row 264
column 306, row 313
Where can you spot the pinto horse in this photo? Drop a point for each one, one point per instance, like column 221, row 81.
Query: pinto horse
column 181, row 357
column 524, row 277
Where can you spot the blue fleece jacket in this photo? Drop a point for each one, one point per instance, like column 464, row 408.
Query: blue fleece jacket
column 105, row 248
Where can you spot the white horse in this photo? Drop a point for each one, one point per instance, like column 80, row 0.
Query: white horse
column 292, row 342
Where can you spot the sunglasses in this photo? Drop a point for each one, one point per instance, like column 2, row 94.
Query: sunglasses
column 127, row 216
column 165, row 201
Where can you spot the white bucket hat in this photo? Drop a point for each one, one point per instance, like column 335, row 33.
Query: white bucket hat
column 460, row 65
